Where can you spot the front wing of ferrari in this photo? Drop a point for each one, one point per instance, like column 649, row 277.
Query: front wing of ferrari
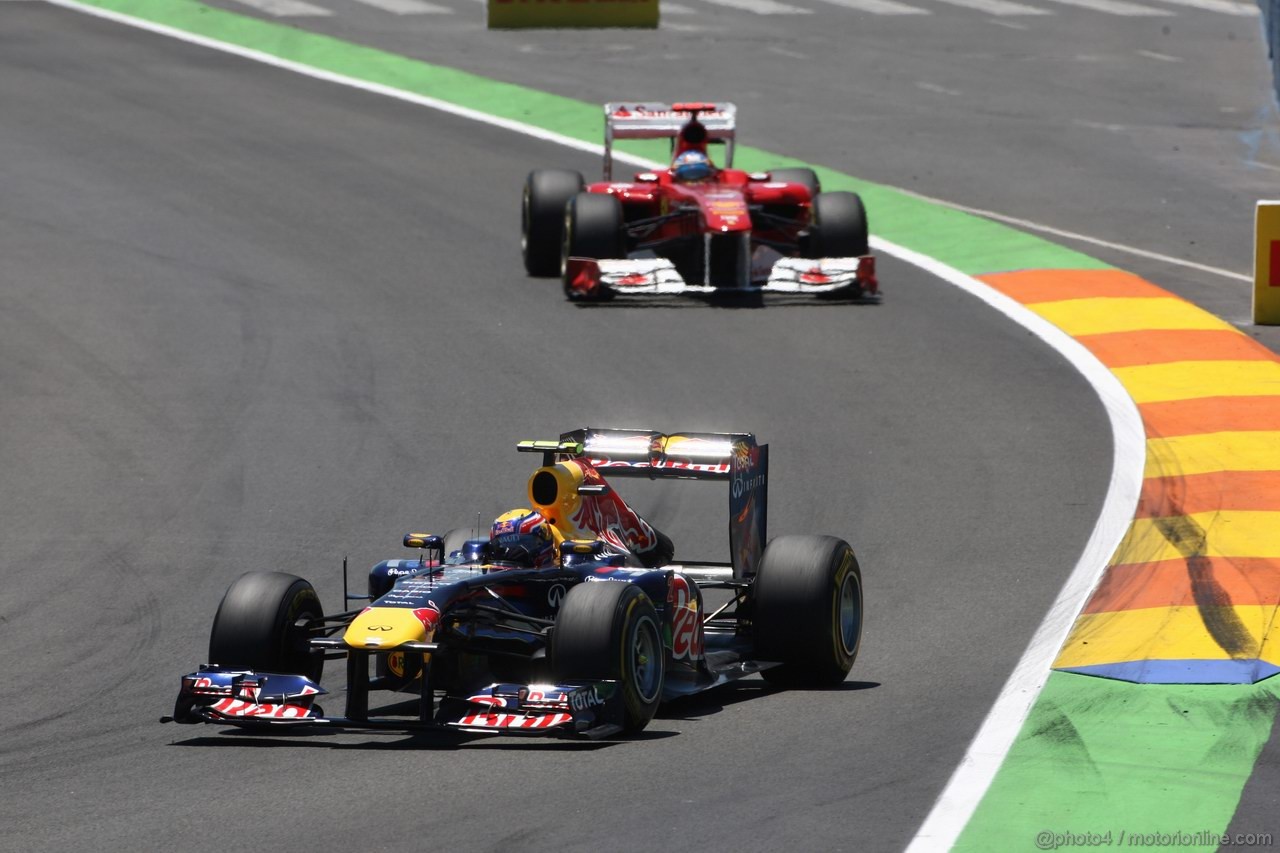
column 588, row 278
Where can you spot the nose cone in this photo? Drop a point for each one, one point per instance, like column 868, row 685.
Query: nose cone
column 384, row 628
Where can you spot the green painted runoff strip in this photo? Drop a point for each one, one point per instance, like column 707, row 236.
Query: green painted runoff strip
column 1135, row 762
column 1095, row 755
column 968, row 243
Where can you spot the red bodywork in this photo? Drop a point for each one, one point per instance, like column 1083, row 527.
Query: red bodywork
column 658, row 209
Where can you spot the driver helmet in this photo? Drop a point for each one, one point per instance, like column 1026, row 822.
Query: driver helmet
column 522, row 537
column 692, row 165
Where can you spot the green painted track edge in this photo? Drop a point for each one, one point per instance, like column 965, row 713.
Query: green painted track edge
column 1099, row 756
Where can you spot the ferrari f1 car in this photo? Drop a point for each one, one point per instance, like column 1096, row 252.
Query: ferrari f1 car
column 589, row 644
column 693, row 228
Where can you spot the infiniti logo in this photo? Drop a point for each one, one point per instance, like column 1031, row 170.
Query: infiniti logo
column 555, row 595
column 377, row 627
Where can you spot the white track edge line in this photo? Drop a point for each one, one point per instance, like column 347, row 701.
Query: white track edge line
column 1083, row 238
column 972, row 778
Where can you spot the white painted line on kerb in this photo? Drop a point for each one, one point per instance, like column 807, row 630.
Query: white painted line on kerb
column 987, row 751
column 286, row 8
column 760, row 7
column 408, row 7
column 1163, row 57
column 879, row 7
column 1084, row 238
column 998, row 8
column 1116, row 7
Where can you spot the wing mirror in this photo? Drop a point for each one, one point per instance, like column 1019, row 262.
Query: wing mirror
column 428, row 544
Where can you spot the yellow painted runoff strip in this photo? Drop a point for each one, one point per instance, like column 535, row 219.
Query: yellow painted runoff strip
column 1105, row 314
column 1214, row 451
column 1168, row 633
column 1219, row 533
column 1186, row 380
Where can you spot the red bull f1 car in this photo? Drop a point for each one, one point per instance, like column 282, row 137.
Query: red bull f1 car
column 693, row 228
column 589, row 644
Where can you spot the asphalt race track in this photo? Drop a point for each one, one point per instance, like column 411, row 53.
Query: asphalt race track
column 254, row 321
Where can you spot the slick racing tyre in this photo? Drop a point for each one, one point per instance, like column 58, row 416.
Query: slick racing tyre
column 808, row 610
column 798, row 176
column 593, row 227
column 609, row 630
column 839, row 227
column 546, row 192
column 255, row 625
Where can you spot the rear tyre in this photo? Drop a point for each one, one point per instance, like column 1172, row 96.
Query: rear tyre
column 546, row 192
column 839, row 226
column 798, row 176
column 610, row 630
column 255, row 626
column 808, row 610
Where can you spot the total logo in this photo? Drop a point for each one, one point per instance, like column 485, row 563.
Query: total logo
column 583, row 700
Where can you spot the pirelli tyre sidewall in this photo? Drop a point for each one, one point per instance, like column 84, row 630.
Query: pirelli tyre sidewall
column 609, row 630
column 255, row 626
column 807, row 610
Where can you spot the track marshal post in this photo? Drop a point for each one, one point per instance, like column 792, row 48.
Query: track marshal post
column 1266, row 264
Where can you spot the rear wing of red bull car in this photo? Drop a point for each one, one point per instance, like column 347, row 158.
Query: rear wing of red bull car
column 652, row 120
column 734, row 458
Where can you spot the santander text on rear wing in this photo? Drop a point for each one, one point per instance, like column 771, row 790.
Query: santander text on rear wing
column 652, row 120
column 732, row 457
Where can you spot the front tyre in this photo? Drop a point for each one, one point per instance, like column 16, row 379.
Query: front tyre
column 609, row 630
column 839, row 226
column 593, row 227
column 808, row 610
column 546, row 192
column 255, row 626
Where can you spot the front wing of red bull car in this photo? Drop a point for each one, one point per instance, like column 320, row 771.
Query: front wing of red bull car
column 590, row 645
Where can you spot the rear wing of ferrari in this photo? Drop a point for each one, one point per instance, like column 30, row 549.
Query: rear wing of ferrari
column 732, row 457
column 654, row 120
